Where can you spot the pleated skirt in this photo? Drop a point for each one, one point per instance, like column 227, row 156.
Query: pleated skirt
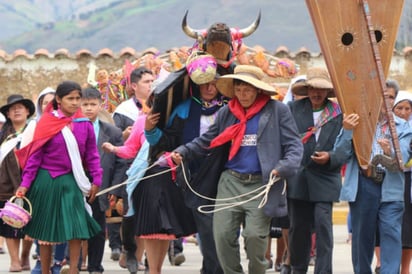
column 160, row 209
column 59, row 212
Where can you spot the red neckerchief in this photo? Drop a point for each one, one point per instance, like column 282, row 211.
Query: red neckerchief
column 47, row 127
column 235, row 132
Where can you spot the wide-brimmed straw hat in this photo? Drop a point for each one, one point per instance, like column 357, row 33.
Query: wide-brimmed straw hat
column 15, row 99
column 316, row 78
column 250, row 74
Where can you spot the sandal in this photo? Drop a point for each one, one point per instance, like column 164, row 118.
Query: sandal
column 83, row 267
column 15, row 269
column 141, row 266
column 122, row 260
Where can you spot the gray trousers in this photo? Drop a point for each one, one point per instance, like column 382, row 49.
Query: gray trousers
column 227, row 224
column 305, row 217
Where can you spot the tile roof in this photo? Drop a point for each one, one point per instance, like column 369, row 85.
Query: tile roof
column 281, row 51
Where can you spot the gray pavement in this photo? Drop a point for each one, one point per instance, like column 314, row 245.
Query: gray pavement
column 341, row 258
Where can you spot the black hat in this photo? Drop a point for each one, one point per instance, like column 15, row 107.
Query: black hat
column 17, row 98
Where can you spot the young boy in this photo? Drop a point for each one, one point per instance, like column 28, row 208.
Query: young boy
column 114, row 172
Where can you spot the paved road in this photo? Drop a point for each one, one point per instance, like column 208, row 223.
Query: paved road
column 341, row 258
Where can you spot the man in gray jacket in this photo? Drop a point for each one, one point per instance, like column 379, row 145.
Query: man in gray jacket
column 262, row 141
column 312, row 191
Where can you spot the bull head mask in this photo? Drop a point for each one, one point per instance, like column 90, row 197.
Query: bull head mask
column 218, row 39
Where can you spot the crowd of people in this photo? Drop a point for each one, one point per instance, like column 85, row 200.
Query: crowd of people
column 200, row 173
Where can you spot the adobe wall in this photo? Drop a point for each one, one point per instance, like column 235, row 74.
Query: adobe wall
column 29, row 75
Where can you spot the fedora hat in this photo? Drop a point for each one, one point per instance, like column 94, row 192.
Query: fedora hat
column 315, row 78
column 15, row 99
column 250, row 74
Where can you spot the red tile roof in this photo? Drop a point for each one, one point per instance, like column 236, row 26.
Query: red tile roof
column 63, row 52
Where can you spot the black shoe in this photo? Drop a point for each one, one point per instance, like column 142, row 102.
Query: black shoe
column 270, row 264
column 377, row 270
column 285, row 269
column 178, row 259
column 115, row 254
column 131, row 262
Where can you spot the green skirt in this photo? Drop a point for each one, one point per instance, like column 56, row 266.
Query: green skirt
column 59, row 213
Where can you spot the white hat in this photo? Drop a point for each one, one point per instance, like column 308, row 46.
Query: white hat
column 402, row 96
column 289, row 95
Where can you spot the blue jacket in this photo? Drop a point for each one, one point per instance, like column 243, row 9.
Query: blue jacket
column 393, row 183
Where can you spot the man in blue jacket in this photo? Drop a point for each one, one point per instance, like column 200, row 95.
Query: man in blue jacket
column 375, row 198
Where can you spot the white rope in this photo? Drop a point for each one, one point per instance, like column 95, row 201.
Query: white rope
column 130, row 179
column 218, row 207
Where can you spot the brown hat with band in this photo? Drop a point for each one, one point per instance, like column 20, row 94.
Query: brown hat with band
column 316, row 78
column 250, row 74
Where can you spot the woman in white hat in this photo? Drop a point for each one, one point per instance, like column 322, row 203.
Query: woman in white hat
column 403, row 109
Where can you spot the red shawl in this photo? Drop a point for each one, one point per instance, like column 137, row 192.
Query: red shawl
column 236, row 132
column 47, row 127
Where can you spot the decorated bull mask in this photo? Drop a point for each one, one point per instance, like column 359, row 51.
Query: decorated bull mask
column 219, row 40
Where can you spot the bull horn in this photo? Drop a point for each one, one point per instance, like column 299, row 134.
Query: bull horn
column 194, row 33
column 250, row 29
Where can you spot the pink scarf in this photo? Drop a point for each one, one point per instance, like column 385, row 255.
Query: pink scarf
column 330, row 111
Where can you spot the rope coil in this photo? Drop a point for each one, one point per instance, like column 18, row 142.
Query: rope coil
column 264, row 190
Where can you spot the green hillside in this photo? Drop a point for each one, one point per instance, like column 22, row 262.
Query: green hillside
column 96, row 24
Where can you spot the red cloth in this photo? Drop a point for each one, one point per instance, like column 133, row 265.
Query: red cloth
column 47, row 127
column 128, row 68
column 171, row 164
column 236, row 132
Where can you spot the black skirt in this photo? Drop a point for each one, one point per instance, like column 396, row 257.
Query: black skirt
column 160, row 208
column 7, row 231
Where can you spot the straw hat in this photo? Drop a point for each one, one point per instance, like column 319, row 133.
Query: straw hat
column 15, row 99
column 316, row 78
column 250, row 74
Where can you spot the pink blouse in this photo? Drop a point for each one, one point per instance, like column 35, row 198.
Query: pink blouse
column 133, row 144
